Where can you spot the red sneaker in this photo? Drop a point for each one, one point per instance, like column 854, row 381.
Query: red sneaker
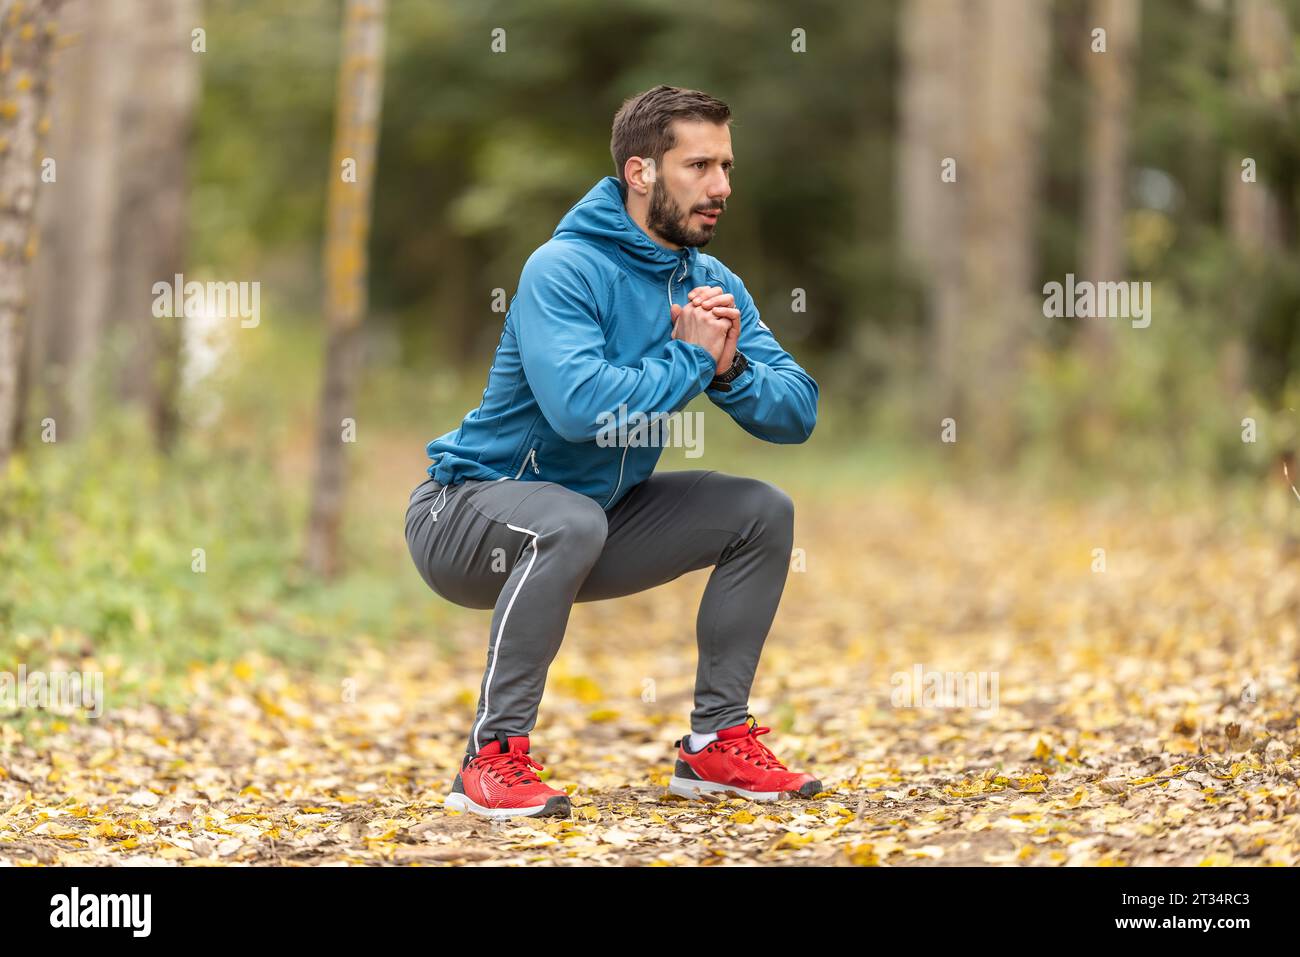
column 737, row 762
column 500, row 781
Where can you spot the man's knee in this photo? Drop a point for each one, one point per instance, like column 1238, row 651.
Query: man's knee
column 578, row 527
column 761, row 499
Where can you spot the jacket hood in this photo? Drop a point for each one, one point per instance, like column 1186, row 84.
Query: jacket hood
column 601, row 217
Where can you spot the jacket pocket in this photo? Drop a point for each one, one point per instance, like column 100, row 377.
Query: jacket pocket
column 529, row 462
column 524, row 452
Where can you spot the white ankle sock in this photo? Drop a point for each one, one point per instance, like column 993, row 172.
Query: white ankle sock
column 698, row 741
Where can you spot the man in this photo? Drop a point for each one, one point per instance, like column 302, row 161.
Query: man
column 528, row 507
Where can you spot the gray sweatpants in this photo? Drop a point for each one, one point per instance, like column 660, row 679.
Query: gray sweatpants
column 529, row 550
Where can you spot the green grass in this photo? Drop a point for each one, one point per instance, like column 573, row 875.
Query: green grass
column 98, row 556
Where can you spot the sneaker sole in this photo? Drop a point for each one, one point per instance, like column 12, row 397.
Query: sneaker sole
column 685, row 787
column 557, row 806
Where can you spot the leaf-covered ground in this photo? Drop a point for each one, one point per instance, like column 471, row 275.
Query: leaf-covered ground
column 1146, row 714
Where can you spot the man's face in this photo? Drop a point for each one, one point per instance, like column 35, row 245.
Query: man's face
column 694, row 178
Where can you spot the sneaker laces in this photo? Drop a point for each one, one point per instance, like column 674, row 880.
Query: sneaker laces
column 511, row 767
column 755, row 751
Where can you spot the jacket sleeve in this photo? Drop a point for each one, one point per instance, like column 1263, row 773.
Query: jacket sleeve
column 562, row 348
column 774, row 399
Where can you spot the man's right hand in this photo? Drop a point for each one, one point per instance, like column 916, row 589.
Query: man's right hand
column 701, row 327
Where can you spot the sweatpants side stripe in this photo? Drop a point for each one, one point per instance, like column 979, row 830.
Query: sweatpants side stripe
column 496, row 644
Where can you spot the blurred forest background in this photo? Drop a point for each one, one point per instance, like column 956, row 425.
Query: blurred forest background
column 204, row 138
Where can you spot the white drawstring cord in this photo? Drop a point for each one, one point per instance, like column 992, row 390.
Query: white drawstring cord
column 436, row 508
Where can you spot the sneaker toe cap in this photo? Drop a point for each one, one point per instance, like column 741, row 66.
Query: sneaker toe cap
column 557, row 806
column 809, row 787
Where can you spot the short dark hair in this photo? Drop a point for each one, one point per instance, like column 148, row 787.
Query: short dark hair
column 643, row 124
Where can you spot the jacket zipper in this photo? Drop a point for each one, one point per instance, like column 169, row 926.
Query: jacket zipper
column 532, row 454
column 624, row 459
column 671, row 276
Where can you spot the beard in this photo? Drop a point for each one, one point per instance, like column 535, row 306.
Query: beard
column 672, row 222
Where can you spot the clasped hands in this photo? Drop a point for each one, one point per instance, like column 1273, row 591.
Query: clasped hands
column 709, row 319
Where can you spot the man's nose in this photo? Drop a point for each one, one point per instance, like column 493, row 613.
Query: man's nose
column 721, row 189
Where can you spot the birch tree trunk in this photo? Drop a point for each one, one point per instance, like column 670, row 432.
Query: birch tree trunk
column 26, row 42
column 356, row 128
column 73, row 292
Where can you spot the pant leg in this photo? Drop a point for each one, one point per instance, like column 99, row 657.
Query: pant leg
column 675, row 522
column 522, row 549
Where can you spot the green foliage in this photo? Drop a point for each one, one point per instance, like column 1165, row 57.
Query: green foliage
column 1156, row 415
column 98, row 559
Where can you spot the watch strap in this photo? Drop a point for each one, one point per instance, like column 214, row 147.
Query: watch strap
column 738, row 365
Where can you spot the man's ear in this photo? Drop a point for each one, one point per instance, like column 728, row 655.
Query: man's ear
column 640, row 173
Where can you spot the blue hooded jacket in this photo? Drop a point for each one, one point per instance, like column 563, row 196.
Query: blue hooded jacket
column 588, row 334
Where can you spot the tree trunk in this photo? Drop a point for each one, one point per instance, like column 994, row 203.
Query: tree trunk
column 1002, row 309
column 125, row 93
column 156, row 121
column 972, row 90
column 72, row 296
column 931, row 111
column 1110, row 86
column 355, row 134
column 1262, row 40
column 26, row 43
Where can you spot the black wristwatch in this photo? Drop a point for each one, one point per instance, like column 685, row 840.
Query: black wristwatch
column 738, row 365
